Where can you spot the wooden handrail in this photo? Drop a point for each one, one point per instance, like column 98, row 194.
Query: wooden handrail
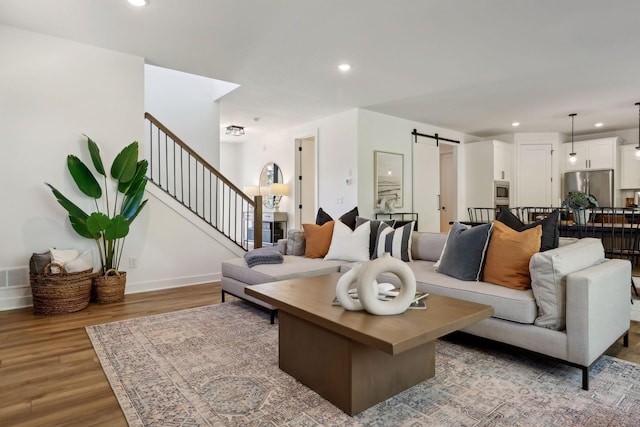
column 190, row 150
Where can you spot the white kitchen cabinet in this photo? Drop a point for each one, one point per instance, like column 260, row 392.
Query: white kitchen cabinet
column 485, row 162
column 502, row 161
column 593, row 154
column 629, row 168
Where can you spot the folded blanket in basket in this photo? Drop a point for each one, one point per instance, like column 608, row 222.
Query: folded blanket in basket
column 263, row 256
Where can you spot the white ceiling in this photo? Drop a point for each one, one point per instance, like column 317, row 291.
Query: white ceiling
column 473, row 66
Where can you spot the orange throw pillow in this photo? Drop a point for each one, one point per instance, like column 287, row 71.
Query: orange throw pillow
column 508, row 256
column 318, row 239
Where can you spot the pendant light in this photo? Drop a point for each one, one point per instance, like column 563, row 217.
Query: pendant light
column 638, row 147
column 573, row 157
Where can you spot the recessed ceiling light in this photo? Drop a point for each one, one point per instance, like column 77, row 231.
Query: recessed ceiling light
column 344, row 67
column 138, row 2
column 515, row 124
column 599, row 124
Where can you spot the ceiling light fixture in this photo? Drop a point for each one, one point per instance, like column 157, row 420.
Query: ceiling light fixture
column 235, row 130
column 599, row 124
column 344, row 67
column 573, row 158
column 638, row 147
column 515, row 124
column 138, row 2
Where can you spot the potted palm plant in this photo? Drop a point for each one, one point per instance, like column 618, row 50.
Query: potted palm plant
column 581, row 203
column 109, row 224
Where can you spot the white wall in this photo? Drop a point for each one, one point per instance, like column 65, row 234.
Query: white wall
column 387, row 133
column 186, row 104
column 51, row 92
column 337, row 154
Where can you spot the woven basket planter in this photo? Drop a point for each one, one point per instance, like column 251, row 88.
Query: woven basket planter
column 109, row 287
column 58, row 293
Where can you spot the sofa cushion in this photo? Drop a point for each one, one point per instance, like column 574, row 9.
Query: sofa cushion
column 348, row 245
column 396, row 242
column 427, row 246
column 548, row 278
column 464, row 252
column 296, row 242
column 375, row 224
column 291, row 267
column 550, row 231
column 509, row 304
column 318, row 239
column 508, row 256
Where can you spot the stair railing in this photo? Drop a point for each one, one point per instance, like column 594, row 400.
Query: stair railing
column 182, row 173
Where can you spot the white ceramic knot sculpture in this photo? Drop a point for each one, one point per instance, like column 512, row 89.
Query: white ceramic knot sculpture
column 342, row 289
column 365, row 275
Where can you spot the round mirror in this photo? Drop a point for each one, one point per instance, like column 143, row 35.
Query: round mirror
column 271, row 174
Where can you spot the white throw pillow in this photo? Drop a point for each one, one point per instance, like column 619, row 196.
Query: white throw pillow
column 347, row 245
column 62, row 256
column 83, row 263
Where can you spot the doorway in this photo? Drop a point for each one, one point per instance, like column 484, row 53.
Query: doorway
column 307, row 180
column 448, row 186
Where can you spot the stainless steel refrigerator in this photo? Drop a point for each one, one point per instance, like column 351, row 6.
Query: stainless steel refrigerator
column 598, row 183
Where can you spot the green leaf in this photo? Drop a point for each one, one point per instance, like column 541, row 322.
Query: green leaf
column 80, row 226
column 95, row 156
column 98, row 222
column 139, row 178
column 68, row 205
column 125, row 164
column 118, row 228
column 83, row 177
column 135, row 214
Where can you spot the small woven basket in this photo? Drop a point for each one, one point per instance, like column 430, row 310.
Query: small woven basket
column 109, row 287
column 58, row 293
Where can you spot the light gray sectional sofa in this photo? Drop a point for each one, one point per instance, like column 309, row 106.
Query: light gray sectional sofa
column 577, row 308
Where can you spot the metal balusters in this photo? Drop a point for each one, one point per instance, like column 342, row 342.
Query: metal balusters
column 197, row 185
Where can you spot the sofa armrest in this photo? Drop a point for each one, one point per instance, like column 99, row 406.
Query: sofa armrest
column 598, row 311
column 281, row 245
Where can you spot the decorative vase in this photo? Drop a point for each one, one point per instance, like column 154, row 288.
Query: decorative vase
column 109, row 287
column 581, row 216
column 390, row 206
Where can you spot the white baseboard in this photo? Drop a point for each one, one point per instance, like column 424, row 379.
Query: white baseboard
column 11, row 299
column 176, row 282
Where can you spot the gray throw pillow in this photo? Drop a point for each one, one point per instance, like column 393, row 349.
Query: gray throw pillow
column 296, row 242
column 465, row 251
column 38, row 262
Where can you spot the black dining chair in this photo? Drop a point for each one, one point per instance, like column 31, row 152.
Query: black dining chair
column 481, row 215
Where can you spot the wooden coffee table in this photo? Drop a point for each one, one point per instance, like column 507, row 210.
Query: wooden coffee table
column 355, row 359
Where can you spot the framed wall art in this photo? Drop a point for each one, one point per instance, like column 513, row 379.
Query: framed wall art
column 388, row 179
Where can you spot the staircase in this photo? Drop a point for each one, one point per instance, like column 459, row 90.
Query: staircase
column 190, row 180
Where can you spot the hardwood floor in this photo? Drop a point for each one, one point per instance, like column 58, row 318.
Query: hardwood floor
column 50, row 375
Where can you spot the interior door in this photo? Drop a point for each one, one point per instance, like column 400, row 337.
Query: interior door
column 426, row 185
column 447, row 187
column 306, row 174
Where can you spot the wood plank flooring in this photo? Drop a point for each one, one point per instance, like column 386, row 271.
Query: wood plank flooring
column 50, row 375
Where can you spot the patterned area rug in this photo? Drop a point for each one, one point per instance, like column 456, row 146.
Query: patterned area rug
column 218, row 366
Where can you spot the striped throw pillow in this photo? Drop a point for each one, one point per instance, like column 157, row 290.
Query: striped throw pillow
column 397, row 241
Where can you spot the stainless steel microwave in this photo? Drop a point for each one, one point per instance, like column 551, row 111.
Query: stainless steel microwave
column 501, row 192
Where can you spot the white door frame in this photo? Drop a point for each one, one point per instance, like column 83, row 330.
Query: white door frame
column 296, row 181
